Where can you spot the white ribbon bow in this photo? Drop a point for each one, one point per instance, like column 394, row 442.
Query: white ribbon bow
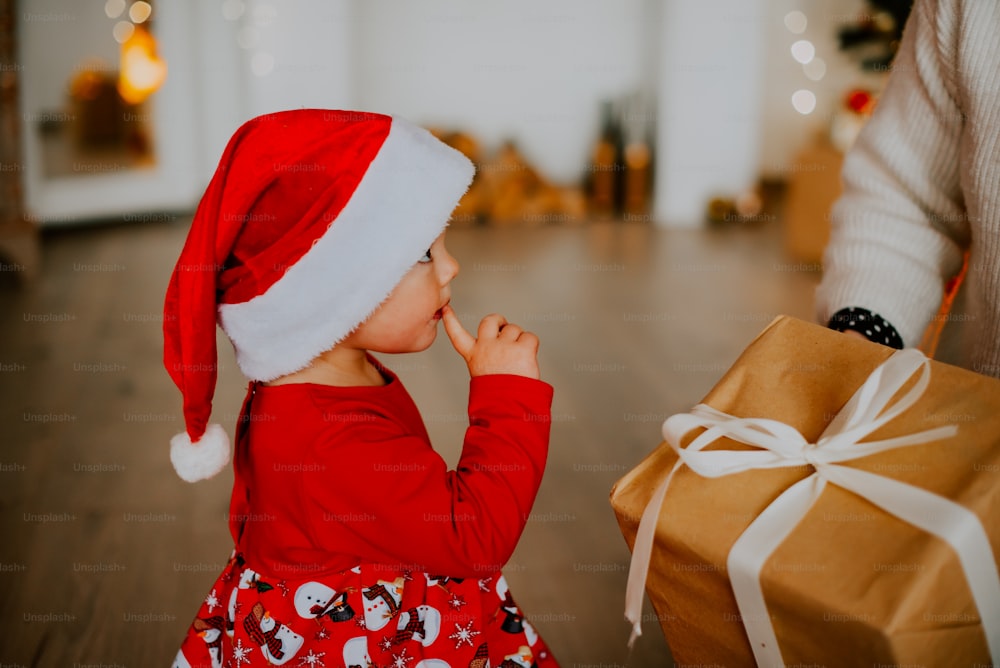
column 782, row 446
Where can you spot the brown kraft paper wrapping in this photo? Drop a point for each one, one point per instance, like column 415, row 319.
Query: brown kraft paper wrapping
column 851, row 585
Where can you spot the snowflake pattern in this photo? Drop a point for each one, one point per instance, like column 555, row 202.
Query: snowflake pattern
column 212, row 601
column 311, row 659
column 464, row 634
column 401, row 660
column 241, row 653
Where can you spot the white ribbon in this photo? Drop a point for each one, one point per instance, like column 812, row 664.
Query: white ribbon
column 782, row 446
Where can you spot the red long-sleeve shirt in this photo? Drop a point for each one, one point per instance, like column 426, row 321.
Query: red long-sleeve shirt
column 331, row 477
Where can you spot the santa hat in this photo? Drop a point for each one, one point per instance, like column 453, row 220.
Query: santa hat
column 311, row 219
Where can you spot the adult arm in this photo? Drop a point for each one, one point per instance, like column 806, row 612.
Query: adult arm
column 900, row 228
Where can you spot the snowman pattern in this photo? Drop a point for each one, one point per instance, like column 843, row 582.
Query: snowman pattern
column 278, row 642
column 422, row 623
column 211, row 629
column 248, row 580
column 514, row 621
column 356, row 653
column 314, row 600
column 382, row 603
column 523, row 659
column 265, row 626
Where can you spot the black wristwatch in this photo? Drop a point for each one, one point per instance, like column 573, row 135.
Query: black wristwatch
column 871, row 325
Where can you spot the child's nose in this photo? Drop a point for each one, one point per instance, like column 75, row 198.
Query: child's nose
column 449, row 269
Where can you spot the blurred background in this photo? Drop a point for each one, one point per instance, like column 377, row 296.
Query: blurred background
column 654, row 180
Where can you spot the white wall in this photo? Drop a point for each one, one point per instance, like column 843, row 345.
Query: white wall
column 709, row 109
column 221, row 94
column 299, row 53
column 522, row 69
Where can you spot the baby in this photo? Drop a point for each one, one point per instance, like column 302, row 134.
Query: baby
column 320, row 240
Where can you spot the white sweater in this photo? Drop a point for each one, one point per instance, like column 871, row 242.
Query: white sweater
column 922, row 184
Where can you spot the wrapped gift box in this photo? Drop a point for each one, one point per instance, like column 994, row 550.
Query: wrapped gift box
column 851, row 585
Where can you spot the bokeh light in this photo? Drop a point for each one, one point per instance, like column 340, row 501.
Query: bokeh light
column 123, row 31
column 114, row 8
column 804, row 101
column 815, row 69
column 803, row 51
column 140, row 11
column 796, row 22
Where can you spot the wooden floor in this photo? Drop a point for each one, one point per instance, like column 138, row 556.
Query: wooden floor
column 108, row 554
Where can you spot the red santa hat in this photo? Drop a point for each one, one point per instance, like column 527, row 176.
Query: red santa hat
column 311, row 219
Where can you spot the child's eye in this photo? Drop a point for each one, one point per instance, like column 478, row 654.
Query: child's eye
column 427, row 256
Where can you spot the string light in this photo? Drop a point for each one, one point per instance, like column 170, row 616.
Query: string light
column 804, row 52
column 804, row 101
column 122, row 31
column 140, row 11
column 141, row 70
column 114, row 8
column 815, row 69
column 796, row 22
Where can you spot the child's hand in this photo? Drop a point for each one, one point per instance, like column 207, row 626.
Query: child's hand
column 501, row 347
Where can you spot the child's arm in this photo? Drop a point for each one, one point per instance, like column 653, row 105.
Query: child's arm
column 394, row 499
column 389, row 498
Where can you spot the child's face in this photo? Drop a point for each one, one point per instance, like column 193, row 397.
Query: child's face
column 407, row 320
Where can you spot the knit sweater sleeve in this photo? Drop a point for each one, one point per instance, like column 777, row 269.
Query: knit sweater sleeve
column 899, row 228
column 395, row 503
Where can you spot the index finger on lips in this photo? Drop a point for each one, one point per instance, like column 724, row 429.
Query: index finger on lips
column 461, row 340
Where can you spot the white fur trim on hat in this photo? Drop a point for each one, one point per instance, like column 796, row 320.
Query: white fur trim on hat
column 401, row 205
column 201, row 460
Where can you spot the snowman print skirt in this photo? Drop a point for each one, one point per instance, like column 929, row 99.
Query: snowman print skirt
column 368, row 617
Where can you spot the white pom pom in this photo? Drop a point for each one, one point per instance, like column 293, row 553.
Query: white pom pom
column 201, row 460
